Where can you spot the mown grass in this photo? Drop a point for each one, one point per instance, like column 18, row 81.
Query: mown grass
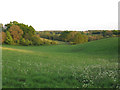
column 90, row 65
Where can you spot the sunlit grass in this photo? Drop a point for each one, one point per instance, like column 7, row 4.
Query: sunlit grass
column 92, row 64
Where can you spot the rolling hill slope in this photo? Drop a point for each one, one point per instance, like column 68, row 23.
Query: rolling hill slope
column 92, row 64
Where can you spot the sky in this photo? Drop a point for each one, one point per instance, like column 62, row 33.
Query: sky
column 77, row 15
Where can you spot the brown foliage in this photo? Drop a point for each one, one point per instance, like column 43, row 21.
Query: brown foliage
column 15, row 32
column 3, row 37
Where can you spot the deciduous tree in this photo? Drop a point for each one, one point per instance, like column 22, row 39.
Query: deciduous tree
column 3, row 37
column 15, row 32
column 9, row 39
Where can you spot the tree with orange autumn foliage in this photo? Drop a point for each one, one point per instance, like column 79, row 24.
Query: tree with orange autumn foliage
column 15, row 32
column 3, row 37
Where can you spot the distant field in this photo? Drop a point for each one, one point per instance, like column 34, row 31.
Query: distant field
column 93, row 64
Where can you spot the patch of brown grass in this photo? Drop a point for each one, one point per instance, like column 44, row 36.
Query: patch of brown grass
column 18, row 50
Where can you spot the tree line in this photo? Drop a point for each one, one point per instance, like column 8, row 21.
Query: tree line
column 77, row 37
column 15, row 33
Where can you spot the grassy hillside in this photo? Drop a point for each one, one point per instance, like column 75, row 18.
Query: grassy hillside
column 93, row 64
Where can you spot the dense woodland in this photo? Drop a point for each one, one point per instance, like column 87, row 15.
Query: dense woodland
column 15, row 33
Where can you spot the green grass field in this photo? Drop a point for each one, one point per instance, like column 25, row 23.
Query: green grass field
column 93, row 65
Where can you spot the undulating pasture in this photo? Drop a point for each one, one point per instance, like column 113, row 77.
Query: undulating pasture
column 89, row 65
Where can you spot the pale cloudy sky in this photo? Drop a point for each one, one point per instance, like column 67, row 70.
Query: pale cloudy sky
column 62, row 14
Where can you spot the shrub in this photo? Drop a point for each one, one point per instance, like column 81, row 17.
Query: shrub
column 72, row 43
column 18, row 42
column 22, row 41
column 36, row 41
column 95, row 37
column 28, row 42
column 47, row 42
column 114, row 35
column 54, row 42
column 9, row 39
column 25, row 42
column 79, row 38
